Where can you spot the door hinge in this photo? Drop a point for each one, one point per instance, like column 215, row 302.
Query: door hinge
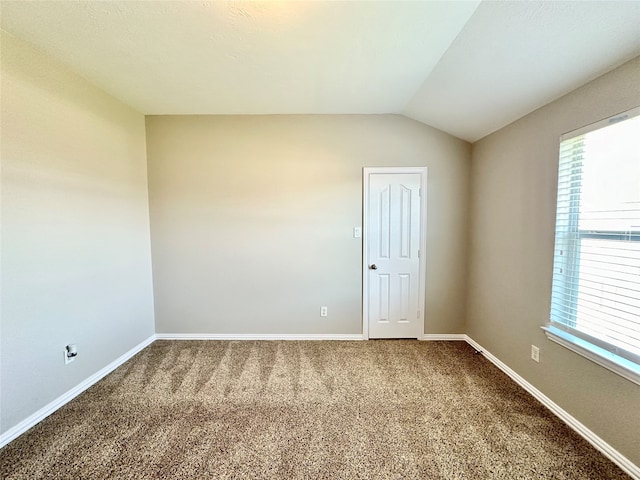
column 418, row 253
column 418, row 317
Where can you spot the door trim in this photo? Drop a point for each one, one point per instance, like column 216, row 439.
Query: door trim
column 366, row 173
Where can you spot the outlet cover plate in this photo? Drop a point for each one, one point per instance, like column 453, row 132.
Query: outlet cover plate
column 67, row 359
column 535, row 353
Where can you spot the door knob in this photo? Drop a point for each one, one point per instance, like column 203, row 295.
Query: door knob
column 373, row 267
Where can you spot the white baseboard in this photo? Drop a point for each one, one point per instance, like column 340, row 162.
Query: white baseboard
column 616, row 457
column 251, row 336
column 443, row 336
column 48, row 409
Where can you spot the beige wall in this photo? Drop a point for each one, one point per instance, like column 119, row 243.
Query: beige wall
column 75, row 232
column 513, row 194
column 252, row 217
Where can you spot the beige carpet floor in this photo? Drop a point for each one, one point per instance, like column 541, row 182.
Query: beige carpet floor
column 315, row 410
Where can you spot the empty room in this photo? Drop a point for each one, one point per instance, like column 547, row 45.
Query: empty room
column 320, row 239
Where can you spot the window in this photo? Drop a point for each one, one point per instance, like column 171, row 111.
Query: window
column 595, row 302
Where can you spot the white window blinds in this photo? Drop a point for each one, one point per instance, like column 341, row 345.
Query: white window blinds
column 596, row 273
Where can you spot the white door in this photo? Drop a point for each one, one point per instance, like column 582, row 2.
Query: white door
column 393, row 226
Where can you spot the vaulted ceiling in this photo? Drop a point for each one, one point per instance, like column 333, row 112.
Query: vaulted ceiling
column 467, row 68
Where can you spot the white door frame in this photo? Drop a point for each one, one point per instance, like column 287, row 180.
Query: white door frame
column 366, row 173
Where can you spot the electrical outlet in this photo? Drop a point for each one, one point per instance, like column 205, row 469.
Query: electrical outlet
column 70, row 353
column 323, row 311
column 357, row 232
column 535, row 353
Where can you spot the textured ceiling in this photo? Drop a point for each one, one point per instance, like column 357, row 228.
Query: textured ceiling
column 246, row 57
column 460, row 67
column 514, row 57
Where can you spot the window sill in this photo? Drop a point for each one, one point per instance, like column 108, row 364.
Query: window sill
column 604, row 358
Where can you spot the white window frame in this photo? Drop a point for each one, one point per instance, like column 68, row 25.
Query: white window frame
column 593, row 349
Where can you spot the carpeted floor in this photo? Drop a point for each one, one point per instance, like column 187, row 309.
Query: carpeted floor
column 397, row 409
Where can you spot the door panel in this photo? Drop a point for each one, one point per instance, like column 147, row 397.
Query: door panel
column 393, row 239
